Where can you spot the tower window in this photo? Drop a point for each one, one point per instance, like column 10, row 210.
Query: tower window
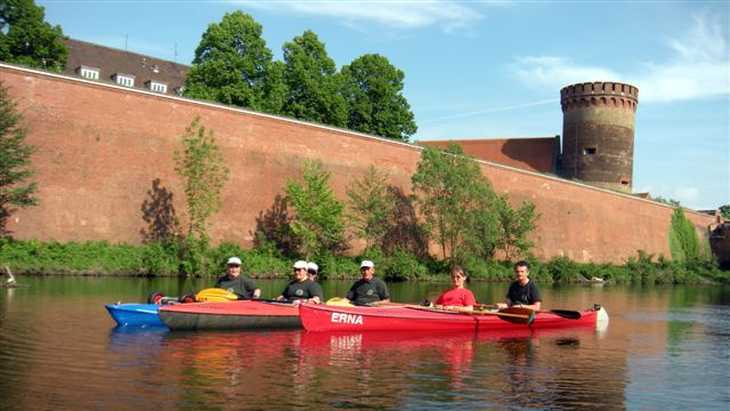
column 624, row 182
column 589, row 151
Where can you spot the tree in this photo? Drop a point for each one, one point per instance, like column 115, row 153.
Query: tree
column 373, row 88
column 318, row 221
column 312, row 82
column 25, row 37
column 683, row 242
column 513, row 225
column 204, row 172
column 725, row 211
column 371, row 206
column 232, row 65
column 15, row 189
column 452, row 193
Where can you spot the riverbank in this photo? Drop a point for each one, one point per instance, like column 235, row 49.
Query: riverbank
column 164, row 260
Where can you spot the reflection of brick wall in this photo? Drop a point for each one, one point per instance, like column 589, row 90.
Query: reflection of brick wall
column 100, row 147
column 532, row 154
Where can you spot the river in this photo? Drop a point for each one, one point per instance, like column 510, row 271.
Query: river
column 664, row 348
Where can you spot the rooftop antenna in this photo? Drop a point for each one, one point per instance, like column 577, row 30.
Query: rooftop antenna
column 175, row 59
column 126, row 40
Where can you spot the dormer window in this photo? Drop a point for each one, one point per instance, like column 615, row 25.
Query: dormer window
column 91, row 73
column 157, row 87
column 126, row 80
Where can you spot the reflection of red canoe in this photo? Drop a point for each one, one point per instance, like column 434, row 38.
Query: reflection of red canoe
column 334, row 318
column 233, row 315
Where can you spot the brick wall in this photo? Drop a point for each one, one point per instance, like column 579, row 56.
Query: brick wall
column 100, row 147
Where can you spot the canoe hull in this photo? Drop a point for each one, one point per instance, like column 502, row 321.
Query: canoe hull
column 402, row 318
column 135, row 315
column 235, row 315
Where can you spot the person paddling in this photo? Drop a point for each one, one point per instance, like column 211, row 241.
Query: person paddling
column 368, row 290
column 234, row 282
column 301, row 289
column 458, row 298
column 522, row 292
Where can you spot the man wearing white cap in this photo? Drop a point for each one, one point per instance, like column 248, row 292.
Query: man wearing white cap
column 301, row 289
column 368, row 290
column 233, row 282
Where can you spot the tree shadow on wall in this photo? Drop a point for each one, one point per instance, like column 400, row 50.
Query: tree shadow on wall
column 273, row 229
column 405, row 232
column 158, row 212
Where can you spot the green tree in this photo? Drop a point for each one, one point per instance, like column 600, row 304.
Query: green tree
column 15, row 189
column 725, row 211
column 25, row 37
column 373, row 90
column 204, row 172
column 451, row 192
column 683, row 242
column 312, row 82
column 371, row 206
column 232, row 65
column 318, row 222
column 513, row 225
column 667, row 201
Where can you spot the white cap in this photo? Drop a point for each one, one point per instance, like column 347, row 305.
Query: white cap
column 234, row 260
column 367, row 263
column 300, row 264
column 312, row 266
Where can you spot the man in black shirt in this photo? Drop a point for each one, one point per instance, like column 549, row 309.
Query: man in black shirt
column 522, row 292
column 233, row 282
column 368, row 290
column 301, row 289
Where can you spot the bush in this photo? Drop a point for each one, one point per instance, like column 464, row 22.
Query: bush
column 402, row 266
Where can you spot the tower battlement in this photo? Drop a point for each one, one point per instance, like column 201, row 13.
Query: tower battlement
column 611, row 94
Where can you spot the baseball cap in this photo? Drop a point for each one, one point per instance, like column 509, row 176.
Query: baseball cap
column 367, row 263
column 300, row 264
column 234, row 260
column 312, row 266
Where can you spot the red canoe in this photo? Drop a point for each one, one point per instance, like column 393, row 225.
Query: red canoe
column 410, row 318
column 230, row 315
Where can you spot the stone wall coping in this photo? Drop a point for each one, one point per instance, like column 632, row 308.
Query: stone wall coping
column 96, row 83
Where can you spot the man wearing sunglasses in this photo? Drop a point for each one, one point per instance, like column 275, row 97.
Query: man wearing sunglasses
column 301, row 289
column 234, row 282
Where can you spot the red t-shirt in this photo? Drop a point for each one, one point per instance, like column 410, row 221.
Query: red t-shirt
column 457, row 296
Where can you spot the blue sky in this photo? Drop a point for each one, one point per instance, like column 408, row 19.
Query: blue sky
column 477, row 69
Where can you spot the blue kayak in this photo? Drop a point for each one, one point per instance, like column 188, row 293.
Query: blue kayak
column 136, row 315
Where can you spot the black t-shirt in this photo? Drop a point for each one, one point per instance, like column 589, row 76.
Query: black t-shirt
column 364, row 292
column 529, row 294
column 242, row 286
column 296, row 290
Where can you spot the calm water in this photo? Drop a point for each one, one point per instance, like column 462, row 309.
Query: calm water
column 665, row 348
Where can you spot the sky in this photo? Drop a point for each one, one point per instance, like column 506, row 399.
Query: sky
column 493, row 69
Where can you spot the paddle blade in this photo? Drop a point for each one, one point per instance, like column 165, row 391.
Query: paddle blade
column 339, row 301
column 215, row 295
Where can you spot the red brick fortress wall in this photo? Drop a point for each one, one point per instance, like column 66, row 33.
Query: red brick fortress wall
column 100, row 147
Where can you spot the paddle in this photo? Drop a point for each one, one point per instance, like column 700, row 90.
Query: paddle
column 569, row 314
column 510, row 317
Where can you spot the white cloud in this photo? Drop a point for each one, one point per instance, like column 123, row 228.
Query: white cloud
column 403, row 14
column 556, row 72
column 687, row 195
column 699, row 67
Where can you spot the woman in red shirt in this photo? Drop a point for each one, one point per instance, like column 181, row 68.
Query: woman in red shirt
column 457, row 298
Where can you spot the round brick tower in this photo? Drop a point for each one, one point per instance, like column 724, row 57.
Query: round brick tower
column 598, row 133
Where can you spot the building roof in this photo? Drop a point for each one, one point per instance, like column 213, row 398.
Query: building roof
column 111, row 61
column 538, row 154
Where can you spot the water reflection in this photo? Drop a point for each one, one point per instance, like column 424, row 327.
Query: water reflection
column 58, row 351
